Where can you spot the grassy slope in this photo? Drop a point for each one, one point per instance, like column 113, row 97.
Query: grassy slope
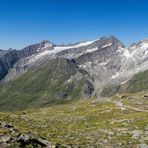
column 138, row 83
column 86, row 123
column 41, row 86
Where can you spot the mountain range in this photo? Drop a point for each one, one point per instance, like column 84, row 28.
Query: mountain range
column 44, row 74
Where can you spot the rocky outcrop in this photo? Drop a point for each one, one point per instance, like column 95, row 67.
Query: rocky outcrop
column 33, row 49
column 15, row 138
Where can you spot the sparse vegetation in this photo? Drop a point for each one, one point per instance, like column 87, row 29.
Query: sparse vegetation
column 87, row 123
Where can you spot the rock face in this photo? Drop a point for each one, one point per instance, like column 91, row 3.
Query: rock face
column 34, row 49
column 2, row 52
column 8, row 60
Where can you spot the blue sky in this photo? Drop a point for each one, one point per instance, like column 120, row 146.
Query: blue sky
column 24, row 22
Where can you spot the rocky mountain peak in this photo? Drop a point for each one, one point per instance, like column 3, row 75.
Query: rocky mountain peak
column 10, row 49
column 140, row 46
column 46, row 43
column 115, row 41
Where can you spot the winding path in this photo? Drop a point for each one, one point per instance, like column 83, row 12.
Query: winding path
column 124, row 107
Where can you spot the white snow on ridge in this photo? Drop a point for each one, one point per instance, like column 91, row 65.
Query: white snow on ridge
column 42, row 54
column 144, row 45
column 125, row 52
column 102, row 64
column 140, row 52
column 107, row 45
column 48, row 45
column 91, row 50
column 126, row 80
column 58, row 48
column 46, row 51
column 137, row 52
column 116, row 75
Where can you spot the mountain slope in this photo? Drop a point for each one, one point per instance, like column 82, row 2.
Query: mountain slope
column 46, row 73
column 2, row 52
column 138, row 82
column 53, row 82
column 12, row 56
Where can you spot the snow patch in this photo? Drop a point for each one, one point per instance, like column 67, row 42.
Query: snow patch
column 91, row 50
column 48, row 45
column 42, row 54
column 103, row 64
column 144, row 45
column 82, row 66
column 126, row 80
column 107, row 45
column 116, row 75
column 125, row 52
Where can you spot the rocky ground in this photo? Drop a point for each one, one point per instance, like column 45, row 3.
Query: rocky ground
column 119, row 122
column 13, row 137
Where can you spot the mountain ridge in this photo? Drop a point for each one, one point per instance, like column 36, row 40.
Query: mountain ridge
column 99, row 63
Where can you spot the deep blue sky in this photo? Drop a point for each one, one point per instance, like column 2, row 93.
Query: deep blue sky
column 23, row 22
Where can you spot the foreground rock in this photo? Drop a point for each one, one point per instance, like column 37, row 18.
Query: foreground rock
column 14, row 138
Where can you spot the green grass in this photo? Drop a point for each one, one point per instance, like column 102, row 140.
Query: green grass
column 83, row 123
column 110, row 90
column 139, row 82
column 42, row 86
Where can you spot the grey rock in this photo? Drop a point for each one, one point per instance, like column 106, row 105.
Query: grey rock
column 143, row 145
column 8, row 60
column 136, row 134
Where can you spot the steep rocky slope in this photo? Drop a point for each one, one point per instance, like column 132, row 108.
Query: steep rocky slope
column 2, row 52
column 8, row 60
column 53, row 82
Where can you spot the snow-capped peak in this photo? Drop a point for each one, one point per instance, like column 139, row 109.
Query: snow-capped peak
column 46, row 44
column 144, row 45
column 76, row 45
column 50, row 49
